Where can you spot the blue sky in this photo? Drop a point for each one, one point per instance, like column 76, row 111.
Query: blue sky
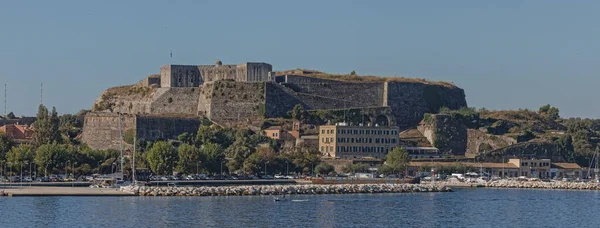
column 505, row 54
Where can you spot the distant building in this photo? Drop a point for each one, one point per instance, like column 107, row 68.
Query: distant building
column 530, row 168
column 195, row 75
column 344, row 141
column 17, row 132
column 423, row 152
column 277, row 133
column 273, row 132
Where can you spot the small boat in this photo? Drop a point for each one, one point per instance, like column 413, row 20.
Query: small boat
column 304, row 200
column 277, row 199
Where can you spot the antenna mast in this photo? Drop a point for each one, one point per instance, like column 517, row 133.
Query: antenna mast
column 42, row 93
column 4, row 100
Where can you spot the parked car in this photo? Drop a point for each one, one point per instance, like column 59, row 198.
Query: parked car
column 278, row 176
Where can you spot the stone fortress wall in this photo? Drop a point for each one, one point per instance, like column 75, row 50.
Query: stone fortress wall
column 239, row 94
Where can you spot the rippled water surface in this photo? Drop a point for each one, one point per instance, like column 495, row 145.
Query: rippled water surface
column 463, row 208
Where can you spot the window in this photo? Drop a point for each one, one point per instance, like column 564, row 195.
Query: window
column 322, row 131
column 322, row 149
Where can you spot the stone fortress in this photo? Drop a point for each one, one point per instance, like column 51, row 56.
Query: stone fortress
column 172, row 102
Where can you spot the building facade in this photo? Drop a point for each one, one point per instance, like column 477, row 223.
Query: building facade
column 529, row 168
column 17, row 132
column 343, row 141
column 423, row 152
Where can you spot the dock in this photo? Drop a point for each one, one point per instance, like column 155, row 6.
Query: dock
column 61, row 191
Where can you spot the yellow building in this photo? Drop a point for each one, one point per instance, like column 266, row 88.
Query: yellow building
column 538, row 168
column 530, row 168
column 344, row 141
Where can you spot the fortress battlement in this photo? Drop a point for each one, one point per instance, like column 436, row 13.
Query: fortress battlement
column 243, row 93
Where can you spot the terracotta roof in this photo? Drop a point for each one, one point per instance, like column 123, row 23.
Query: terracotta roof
column 274, row 128
column 472, row 164
column 566, row 165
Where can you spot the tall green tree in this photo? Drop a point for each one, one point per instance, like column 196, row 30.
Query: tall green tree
column 20, row 156
column 213, row 153
column 55, row 126
column 398, row 160
column 189, row 158
column 256, row 162
column 161, row 158
column 46, row 127
column 6, row 144
column 49, row 157
column 236, row 154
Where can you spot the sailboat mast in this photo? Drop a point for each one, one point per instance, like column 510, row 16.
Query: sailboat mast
column 133, row 163
column 121, row 142
column 596, row 167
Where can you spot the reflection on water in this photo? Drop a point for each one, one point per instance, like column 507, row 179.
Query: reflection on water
column 463, row 208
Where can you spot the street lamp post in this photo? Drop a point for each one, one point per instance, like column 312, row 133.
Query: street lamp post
column 222, row 168
column 198, row 168
column 30, row 174
column 266, row 168
column 9, row 173
column 21, row 173
column 73, row 173
column 66, row 171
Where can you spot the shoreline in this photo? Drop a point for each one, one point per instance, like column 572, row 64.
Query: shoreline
column 242, row 190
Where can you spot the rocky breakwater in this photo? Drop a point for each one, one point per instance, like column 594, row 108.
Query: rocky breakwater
column 543, row 185
column 283, row 189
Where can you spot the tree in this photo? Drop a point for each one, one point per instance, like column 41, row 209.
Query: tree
column 10, row 116
column 355, row 168
column 186, row 138
column 213, row 155
column 161, row 158
column 303, row 158
column 324, row 168
column 236, row 154
column 69, row 125
column 259, row 159
column 206, row 134
column 385, row 169
column 397, row 159
column 298, row 113
column 189, row 156
column 46, row 127
column 20, row 156
column 550, row 112
column 129, row 136
column 5, row 144
column 55, row 126
column 353, row 73
column 51, row 156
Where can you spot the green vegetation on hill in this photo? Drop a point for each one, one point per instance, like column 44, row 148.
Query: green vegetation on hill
column 353, row 76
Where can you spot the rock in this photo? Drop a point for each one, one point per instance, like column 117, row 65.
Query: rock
column 278, row 190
